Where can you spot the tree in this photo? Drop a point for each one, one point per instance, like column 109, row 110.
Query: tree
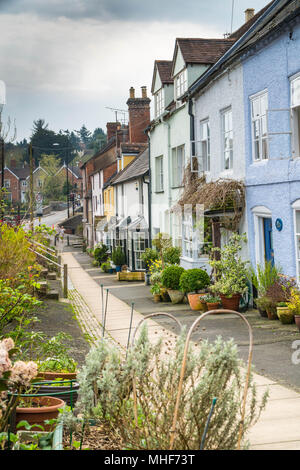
column 85, row 135
column 53, row 185
column 98, row 139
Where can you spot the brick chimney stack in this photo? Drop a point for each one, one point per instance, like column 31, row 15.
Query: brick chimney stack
column 139, row 116
column 112, row 128
column 249, row 13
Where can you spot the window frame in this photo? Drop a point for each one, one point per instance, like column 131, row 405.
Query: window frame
column 159, row 102
column 259, row 117
column 295, row 119
column 179, row 169
column 159, row 174
column 180, row 84
column 225, row 132
column 203, row 122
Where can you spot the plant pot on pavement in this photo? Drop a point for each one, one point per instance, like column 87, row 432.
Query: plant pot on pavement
column 176, row 296
column 118, row 269
column 195, row 302
column 40, row 409
column 271, row 314
column 212, row 305
column 231, row 303
column 156, row 298
column 297, row 321
column 64, row 391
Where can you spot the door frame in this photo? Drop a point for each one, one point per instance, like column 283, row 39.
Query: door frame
column 259, row 214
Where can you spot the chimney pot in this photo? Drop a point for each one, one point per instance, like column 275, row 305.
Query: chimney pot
column 131, row 92
column 144, row 91
column 249, row 13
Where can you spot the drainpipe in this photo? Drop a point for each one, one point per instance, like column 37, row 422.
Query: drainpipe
column 192, row 126
column 149, row 193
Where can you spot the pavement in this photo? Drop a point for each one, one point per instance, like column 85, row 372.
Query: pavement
column 278, row 427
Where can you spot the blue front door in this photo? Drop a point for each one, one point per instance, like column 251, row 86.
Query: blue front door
column 269, row 252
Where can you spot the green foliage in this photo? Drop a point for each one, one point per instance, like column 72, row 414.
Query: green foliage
column 231, row 271
column 118, row 256
column 172, row 255
column 208, row 298
column 149, row 256
column 106, row 266
column 213, row 370
column 171, row 276
column 193, row 280
column 54, row 355
column 155, row 289
column 264, row 278
column 161, row 242
column 101, row 253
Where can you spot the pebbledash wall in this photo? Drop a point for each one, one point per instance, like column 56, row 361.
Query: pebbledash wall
column 273, row 185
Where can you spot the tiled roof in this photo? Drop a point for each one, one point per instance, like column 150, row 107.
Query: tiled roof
column 202, row 51
column 21, row 173
column 138, row 167
column 75, row 170
column 164, row 68
column 242, row 30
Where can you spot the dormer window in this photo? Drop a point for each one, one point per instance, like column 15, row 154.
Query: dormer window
column 159, row 102
column 180, row 84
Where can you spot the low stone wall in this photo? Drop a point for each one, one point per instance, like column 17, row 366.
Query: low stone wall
column 71, row 224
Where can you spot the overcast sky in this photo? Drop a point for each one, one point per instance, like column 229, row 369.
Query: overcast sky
column 66, row 60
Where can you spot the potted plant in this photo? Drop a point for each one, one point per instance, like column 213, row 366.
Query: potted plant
column 155, row 290
column 192, row 282
column 118, row 258
column 284, row 314
column 170, row 279
column 106, row 266
column 100, row 253
column 294, row 306
column 279, row 291
column 262, row 304
column 212, row 302
column 230, row 272
column 35, row 410
column 56, row 362
column 262, row 279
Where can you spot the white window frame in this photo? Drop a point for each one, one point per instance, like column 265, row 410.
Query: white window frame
column 159, row 102
column 295, row 117
column 205, row 165
column 259, row 117
column 24, row 184
column 225, row 133
column 296, row 208
column 180, row 84
column 178, row 166
column 7, row 184
column 159, row 174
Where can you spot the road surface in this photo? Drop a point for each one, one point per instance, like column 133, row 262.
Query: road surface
column 51, row 219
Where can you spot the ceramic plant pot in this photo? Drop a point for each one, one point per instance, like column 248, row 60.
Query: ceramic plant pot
column 156, row 298
column 176, row 296
column 212, row 305
column 271, row 314
column 285, row 315
column 231, row 303
column 164, row 295
column 44, row 408
column 57, row 375
column 297, row 321
column 64, row 392
column 195, row 302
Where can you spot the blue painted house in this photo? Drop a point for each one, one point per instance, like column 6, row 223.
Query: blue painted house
column 271, row 80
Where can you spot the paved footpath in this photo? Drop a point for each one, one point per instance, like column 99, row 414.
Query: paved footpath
column 279, row 425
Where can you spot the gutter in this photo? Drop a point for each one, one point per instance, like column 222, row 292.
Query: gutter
column 201, row 81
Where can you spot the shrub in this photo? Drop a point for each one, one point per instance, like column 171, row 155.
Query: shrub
column 171, row 276
column 281, row 289
column 172, row 255
column 265, row 277
column 106, row 266
column 214, row 370
column 194, row 280
column 118, row 256
column 231, row 271
column 101, row 253
column 149, row 256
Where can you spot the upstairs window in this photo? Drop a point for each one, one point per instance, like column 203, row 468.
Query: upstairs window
column 295, row 115
column 159, row 174
column 204, row 148
column 159, row 103
column 259, row 106
column 181, row 84
column 7, row 183
column 177, row 166
column 227, row 139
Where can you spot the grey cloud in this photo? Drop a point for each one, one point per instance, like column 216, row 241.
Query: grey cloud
column 212, row 12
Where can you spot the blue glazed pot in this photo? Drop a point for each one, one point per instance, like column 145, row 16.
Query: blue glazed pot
column 118, row 269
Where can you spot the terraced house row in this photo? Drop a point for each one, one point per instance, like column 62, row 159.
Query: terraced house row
column 225, row 136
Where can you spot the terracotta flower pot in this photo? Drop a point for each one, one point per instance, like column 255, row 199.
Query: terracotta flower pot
column 212, row 305
column 297, row 321
column 164, row 295
column 195, row 302
column 231, row 303
column 156, row 298
column 285, row 315
column 271, row 314
column 47, row 408
column 176, row 296
column 57, row 375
